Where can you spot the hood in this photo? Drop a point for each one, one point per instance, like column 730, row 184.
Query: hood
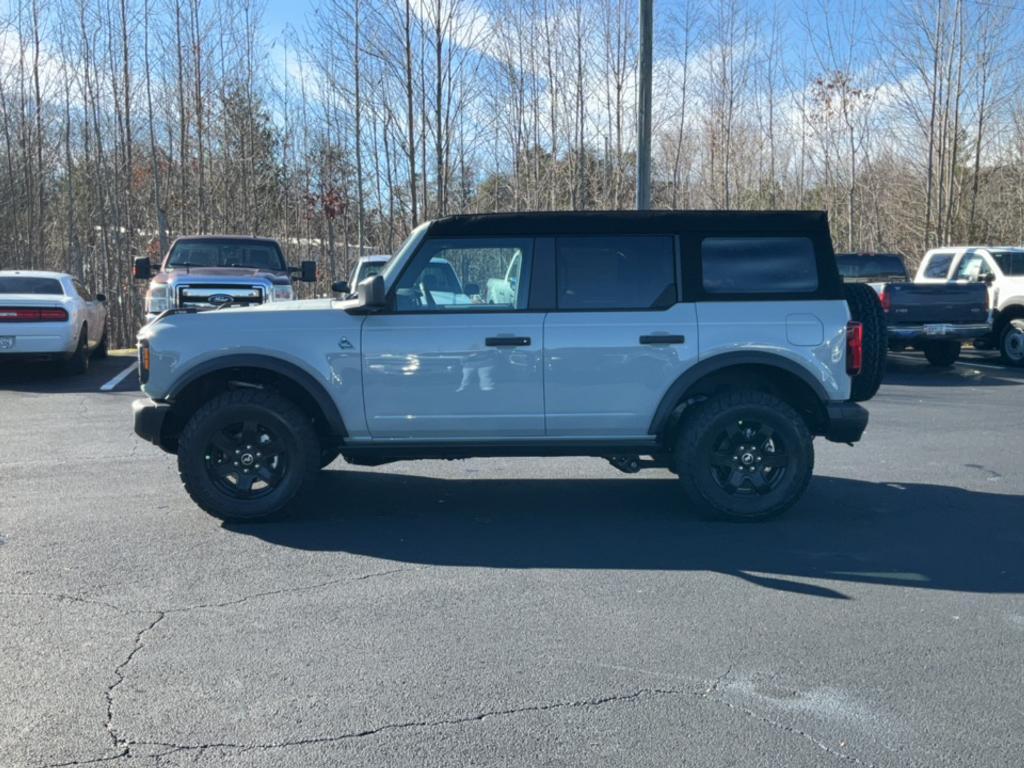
column 220, row 274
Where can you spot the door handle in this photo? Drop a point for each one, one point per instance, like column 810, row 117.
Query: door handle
column 662, row 338
column 507, row 341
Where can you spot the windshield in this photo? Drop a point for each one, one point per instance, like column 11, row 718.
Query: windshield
column 875, row 265
column 410, row 244
column 46, row 286
column 1010, row 262
column 226, row 253
column 368, row 269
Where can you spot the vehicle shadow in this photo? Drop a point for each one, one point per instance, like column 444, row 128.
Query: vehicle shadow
column 50, row 378
column 923, row 536
column 905, row 371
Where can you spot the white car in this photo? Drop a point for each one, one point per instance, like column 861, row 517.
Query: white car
column 51, row 315
column 1001, row 268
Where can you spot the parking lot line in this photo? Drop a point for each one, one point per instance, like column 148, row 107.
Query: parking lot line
column 982, row 365
column 119, row 378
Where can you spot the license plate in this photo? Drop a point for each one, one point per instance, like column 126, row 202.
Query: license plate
column 936, row 329
column 6, row 342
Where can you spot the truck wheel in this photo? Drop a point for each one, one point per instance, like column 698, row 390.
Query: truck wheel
column 866, row 309
column 744, row 455
column 246, row 455
column 941, row 354
column 78, row 363
column 1011, row 343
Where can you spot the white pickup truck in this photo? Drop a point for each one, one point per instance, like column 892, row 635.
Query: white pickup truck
column 1001, row 268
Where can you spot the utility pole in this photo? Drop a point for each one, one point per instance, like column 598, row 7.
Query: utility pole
column 643, row 141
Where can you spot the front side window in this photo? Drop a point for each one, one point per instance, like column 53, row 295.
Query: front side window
column 460, row 275
column 758, row 265
column 972, row 266
column 938, row 266
column 625, row 273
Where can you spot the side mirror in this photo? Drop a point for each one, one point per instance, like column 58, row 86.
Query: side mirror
column 371, row 292
column 987, row 279
column 471, row 289
column 340, row 286
column 101, row 297
column 142, row 269
column 308, row 272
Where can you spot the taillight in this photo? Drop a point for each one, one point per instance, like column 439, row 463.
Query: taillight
column 143, row 361
column 854, row 347
column 32, row 315
column 885, row 298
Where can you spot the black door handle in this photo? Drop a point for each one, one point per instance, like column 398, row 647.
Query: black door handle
column 507, row 341
column 662, row 338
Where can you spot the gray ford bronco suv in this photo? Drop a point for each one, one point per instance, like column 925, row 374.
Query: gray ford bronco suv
column 714, row 344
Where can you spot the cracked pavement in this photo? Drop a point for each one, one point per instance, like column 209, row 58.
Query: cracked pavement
column 516, row 612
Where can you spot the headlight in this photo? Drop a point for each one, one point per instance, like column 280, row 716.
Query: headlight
column 157, row 299
column 283, row 293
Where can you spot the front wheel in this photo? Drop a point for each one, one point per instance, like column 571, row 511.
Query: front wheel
column 247, row 454
column 941, row 354
column 744, row 456
column 1011, row 343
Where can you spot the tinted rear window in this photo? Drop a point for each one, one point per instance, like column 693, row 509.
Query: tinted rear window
column 46, row 286
column 758, row 265
column 630, row 272
column 873, row 265
column 938, row 265
column 1010, row 262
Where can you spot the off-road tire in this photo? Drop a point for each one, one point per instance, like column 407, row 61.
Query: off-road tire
column 1010, row 340
column 941, row 354
column 78, row 363
column 278, row 415
column 866, row 309
column 702, row 426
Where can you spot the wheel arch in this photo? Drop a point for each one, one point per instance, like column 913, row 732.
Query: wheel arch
column 1013, row 309
column 212, row 377
column 760, row 371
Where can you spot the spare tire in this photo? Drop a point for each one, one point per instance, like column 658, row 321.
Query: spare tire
column 866, row 309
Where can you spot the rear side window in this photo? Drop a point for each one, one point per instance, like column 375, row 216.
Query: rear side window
column 758, row 265
column 1010, row 262
column 938, row 266
column 629, row 272
column 45, row 286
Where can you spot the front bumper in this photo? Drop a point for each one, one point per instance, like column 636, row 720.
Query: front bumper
column 909, row 334
column 845, row 422
column 149, row 419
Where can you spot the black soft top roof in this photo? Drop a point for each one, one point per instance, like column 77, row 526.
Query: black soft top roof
column 550, row 223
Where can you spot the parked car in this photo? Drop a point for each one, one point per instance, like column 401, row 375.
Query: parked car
column 211, row 271
column 51, row 315
column 1001, row 270
column 716, row 343
column 368, row 266
column 935, row 318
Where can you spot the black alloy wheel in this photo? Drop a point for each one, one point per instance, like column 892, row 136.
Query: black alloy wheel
column 245, row 459
column 748, row 457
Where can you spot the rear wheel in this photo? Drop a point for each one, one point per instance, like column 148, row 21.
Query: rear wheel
column 100, row 353
column 941, row 354
column 744, row 456
column 246, row 455
column 78, row 363
column 866, row 309
column 1011, row 342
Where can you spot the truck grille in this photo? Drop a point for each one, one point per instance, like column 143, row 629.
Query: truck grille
column 211, row 296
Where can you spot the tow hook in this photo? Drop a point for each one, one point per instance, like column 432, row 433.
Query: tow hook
column 628, row 464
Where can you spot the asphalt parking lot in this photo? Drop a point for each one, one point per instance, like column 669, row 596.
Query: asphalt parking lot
column 516, row 612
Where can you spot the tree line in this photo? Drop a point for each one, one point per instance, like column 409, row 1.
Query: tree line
column 124, row 123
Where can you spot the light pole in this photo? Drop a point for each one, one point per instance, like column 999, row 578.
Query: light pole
column 643, row 141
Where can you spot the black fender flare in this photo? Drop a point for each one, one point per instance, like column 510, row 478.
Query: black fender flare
column 275, row 365
column 710, row 365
